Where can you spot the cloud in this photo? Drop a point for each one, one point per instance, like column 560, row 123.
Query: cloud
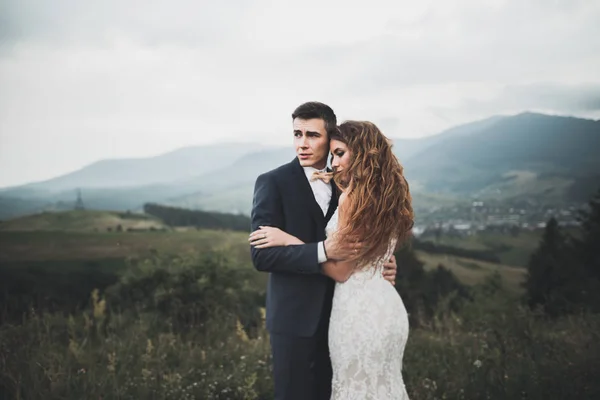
column 583, row 100
column 150, row 22
column 85, row 81
column 512, row 42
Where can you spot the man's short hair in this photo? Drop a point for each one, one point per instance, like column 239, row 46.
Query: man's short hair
column 314, row 109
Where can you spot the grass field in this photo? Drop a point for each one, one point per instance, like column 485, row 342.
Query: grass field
column 472, row 272
column 70, row 249
column 79, row 238
column 59, row 270
column 50, row 246
column 511, row 250
column 192, row 326
column 81, row 221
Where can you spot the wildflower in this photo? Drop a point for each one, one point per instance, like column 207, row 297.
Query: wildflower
column 149, row 346
column 99, row 305
column 477, row 364
column 241, row 333
column 429, row 384
column 112, row 362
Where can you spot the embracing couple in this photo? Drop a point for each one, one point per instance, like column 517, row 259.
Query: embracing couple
column 337, row 325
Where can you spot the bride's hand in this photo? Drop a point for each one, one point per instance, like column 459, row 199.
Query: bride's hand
column 268, row 236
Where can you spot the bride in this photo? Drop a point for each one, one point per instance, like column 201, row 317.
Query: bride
column 368, row 326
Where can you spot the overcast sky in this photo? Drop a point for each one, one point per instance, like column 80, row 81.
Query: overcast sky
column 87, row 80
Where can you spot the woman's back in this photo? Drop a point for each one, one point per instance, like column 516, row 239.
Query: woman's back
column 368, row 331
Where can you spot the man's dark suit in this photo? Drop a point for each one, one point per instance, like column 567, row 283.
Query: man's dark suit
column 298, row 295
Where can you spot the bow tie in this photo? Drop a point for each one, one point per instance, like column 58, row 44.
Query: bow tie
column 324, row 176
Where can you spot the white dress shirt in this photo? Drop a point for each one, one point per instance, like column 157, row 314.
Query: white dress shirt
column 322, row 192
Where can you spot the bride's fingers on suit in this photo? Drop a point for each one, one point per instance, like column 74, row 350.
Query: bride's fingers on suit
column 257, row 238
column 263, row 243
column 259, row 234
column 253, row 238
column 260, row 243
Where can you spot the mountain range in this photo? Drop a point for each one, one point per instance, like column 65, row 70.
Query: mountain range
column 537, row 157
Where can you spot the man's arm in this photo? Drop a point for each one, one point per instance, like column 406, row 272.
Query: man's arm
column 339, row 271
column 267, row 210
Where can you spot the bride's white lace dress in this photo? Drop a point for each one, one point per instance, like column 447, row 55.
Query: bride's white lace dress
column 368, row 330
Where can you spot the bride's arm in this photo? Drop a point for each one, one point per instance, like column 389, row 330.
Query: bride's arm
column 338, row 269
column 268, row 236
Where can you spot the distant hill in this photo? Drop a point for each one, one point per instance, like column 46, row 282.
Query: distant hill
column 125, row 184
column 405, row 149
column 176, row 165
column 13, row 206
column 230, row 188
column 82, row 221
column 528, row 154
column 538, row 157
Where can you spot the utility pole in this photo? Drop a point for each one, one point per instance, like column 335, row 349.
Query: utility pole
column 79, row 203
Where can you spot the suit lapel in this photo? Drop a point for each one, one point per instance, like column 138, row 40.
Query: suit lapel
column 306, row 192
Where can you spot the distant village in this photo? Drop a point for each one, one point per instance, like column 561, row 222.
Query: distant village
column 477, row 216
column 469, row 218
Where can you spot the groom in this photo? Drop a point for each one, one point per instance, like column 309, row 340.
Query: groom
column 299, row 296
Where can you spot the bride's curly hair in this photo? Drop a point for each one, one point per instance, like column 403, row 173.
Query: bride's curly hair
column 377, row 207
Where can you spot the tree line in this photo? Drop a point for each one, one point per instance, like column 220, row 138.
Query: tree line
column 175, row 216
column 563, row 274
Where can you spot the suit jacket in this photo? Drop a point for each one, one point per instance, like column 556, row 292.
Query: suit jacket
column 298, row 294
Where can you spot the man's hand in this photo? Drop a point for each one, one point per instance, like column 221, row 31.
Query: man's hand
column 389, row 270
column 341, row 251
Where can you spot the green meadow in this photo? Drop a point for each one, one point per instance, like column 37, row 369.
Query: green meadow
column 93, row 313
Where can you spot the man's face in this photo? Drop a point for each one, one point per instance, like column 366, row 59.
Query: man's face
column 311, row 142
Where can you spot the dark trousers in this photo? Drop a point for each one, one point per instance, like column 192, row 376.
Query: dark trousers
column 301, row 366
